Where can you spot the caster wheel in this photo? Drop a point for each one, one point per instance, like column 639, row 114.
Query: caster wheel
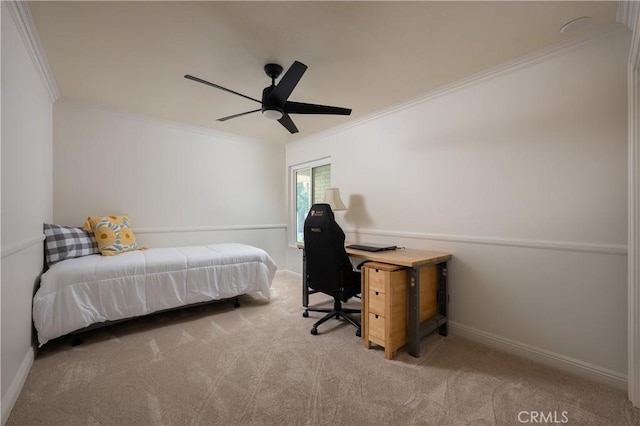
column 305, row 314
column 314, row 331
column 359, row 333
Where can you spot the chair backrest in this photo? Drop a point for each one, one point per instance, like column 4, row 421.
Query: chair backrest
column 326, row 258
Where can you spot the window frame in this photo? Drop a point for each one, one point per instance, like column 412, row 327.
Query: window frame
column 326, row 161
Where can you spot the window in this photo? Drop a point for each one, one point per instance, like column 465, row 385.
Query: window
column 309, row 182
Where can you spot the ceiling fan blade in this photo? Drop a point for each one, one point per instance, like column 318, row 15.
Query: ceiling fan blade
column 287, row 83
column 288, row 124
column 199, row 80
column 238, row 115
column 302, row 108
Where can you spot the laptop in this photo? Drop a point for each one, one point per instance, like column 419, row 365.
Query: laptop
column 371, row 247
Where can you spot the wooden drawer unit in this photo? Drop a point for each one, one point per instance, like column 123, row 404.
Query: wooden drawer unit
column 384, row 306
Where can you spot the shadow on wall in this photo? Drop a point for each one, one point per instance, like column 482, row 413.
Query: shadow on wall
column 356, row 213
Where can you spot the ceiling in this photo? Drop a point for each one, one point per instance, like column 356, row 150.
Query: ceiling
column 365, row 55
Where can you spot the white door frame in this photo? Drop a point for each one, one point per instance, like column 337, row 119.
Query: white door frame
column 629, row 14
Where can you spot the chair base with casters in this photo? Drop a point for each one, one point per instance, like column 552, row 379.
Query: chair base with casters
column 337, row 312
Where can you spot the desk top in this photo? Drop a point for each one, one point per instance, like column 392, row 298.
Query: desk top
column 403, row 257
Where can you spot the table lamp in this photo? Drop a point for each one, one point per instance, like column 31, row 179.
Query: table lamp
column 332, row 197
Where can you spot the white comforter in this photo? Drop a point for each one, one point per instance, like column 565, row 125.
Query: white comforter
column 77, row 293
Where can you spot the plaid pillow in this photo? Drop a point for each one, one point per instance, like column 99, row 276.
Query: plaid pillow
column 65, row 242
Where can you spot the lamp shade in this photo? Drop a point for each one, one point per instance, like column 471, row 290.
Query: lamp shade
column 332, row 197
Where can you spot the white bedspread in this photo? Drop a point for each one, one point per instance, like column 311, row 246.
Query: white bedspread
column 76, row 293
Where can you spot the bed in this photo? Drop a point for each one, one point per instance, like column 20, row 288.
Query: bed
column 76, row 293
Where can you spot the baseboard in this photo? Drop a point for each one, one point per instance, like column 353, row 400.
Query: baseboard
column 561, row 362
column 10, row 398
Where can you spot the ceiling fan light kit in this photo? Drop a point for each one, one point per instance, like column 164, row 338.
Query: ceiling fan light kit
column 275, row 103
column 272, row 114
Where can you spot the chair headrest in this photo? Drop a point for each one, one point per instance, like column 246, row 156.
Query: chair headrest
column 321, row 210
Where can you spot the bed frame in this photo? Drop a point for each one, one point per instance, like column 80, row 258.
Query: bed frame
column 81, row 294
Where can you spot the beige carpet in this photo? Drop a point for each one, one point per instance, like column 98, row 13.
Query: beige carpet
column 259, row 365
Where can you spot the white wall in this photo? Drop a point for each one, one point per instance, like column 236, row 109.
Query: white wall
column 180, row 185
column 521, row 174
column 26, row 201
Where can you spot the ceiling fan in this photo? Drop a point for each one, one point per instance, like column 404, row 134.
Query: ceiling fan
column 275, row 103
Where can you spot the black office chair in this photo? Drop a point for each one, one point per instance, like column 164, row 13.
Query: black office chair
column 328, row 268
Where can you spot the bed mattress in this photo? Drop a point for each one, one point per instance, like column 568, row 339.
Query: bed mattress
column 77, row 293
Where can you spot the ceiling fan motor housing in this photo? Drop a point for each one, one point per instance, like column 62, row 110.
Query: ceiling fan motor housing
column 270, row 105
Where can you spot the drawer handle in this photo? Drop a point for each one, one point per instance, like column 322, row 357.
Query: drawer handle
column 377, row 293
column 376, row 317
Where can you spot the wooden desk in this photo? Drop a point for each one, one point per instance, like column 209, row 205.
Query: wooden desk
column 413, row 260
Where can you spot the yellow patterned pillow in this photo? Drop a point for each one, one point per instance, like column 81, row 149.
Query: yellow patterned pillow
column 113, row 234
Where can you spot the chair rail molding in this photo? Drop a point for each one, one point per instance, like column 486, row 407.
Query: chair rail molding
column 15, row 248
column 165, row 230
column 575, row 246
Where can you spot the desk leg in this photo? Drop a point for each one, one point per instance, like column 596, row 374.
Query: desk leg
column 413, row 306
column 305, row 285
column 443, row 297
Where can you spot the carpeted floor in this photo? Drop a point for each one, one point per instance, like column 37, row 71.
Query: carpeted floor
column 259, row 365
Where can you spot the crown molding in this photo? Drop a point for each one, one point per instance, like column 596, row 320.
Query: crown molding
column 23, row 19
column 628, row 13
column 500, row 70
column 204, row 131
column 632, row 19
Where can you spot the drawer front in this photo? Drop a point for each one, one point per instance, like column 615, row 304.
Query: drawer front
column 376, row 328
column 376, row 302
column 377, row 280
